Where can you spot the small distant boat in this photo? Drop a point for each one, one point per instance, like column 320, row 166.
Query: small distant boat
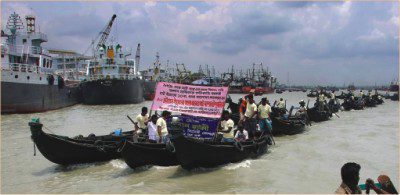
column 394, row 86
column 395, row 97
column 279, row 91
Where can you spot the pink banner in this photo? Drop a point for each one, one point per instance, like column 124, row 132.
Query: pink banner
column 190, row 99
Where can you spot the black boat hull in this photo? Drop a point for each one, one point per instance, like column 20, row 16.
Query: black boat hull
column 65, row 151
column 287, row 127
column 112, row 91
column 193, row 153
column 141, row 154
column 315, row 115
column 29, row 98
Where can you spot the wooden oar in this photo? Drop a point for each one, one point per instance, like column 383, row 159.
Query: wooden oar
column 135, row 123
column 336, row 115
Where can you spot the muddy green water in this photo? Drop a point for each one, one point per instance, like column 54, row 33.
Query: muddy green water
column 305, row 163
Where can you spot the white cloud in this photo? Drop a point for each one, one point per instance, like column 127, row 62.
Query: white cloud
column 375, row 34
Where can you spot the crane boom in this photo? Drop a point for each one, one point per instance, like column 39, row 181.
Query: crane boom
column 105, row 32
column 104, row 35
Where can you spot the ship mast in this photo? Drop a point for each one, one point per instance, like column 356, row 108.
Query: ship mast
column 14, row 23
column 137, row 57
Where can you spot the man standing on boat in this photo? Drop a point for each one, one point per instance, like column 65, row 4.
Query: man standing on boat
column 226, row 127
column 264, row 113
column 250, row 123
column 162, row 127
column 321, row 101
column 142, row 120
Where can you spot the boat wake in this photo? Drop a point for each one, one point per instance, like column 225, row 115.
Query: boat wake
column 234, row 166
column 119, row 164
column 138, row 184
column 163, row 167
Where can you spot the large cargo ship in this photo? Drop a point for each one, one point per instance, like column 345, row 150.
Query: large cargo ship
column 28, row 82
column 112, row 78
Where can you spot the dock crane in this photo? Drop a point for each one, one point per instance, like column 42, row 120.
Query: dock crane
column 103, row 35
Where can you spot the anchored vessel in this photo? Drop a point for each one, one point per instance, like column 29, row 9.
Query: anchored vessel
column 28, row 82
column 111, row 77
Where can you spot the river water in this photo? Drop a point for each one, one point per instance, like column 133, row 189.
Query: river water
column 305, row 163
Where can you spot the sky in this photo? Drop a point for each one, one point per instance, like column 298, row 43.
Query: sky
column 315, row 43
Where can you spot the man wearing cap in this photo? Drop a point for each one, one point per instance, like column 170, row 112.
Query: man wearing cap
column 302, row 108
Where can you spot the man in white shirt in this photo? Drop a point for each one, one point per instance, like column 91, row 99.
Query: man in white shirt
column 250, row 122
column 142, row 120
column 241, row 134
column 281, row 104
column 162, row 127
column 226, row 127
column 152, row 129
column 264, row 112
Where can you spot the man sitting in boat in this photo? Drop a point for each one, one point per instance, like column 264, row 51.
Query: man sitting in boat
column 281, row 107
column 281, row 104
column 264, row 113
column 302, row 109
column 226, row 127
column 250, row 122
column 241, row 134
column 162, row 127
column 152, row 129
column 350, row 173
column 361, row 95
column 142, row 120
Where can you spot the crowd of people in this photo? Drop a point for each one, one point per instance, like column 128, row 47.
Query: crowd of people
column 251, row 115
column 155, row 127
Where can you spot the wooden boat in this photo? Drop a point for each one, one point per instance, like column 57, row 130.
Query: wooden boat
column 395, row 97
column 288, row 126
column 312, row 94
column 369, row 102
column 192, row 153
column 334, row 105
column 317, row 116
column 145, row 153
column 65, row 151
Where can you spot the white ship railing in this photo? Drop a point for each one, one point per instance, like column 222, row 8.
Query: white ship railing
column 23, row 49
column 119, row 76
column 19, row 67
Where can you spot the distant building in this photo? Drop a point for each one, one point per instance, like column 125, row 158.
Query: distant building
column 70, row 64
column 65, row 59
